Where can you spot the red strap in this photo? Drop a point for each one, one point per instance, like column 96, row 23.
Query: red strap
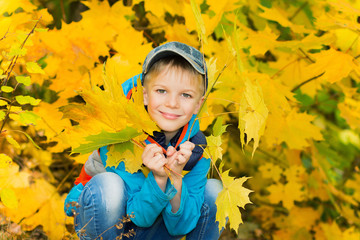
column 153, row 141
column 129, row 94
column 182, row 135
column 83, row 177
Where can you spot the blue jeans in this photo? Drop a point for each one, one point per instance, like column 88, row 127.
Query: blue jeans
column 103, row 206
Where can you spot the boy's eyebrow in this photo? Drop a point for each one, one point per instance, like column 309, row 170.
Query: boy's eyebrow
column 185, row 90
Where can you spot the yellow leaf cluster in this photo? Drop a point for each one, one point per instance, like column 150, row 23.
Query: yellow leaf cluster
column 109, row 110
column 295, row 129
column 40, row 204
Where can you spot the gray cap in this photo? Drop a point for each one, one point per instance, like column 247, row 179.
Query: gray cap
column 190, row 54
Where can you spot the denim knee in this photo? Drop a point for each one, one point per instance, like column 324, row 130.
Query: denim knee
column 107, row 189
column 212, row 189
column 102, row 202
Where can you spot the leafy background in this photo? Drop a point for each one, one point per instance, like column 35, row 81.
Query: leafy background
column 286, row 86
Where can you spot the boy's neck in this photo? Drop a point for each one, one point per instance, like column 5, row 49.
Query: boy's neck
column 169, row 136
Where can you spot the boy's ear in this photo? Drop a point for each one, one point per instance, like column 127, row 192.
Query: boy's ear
column 145, row 95
column 197, row 108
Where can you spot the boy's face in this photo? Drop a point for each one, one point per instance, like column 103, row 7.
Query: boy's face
column 172, row 97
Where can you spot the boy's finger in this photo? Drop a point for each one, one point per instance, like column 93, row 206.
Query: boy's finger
column 181, row 159
column 155, row 150
column 170, row 151
column 187, row 145
column 185, row 152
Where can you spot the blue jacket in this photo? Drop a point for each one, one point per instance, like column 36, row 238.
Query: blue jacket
column 146, row 201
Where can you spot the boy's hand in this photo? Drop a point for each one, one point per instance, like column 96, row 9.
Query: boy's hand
column 154, row 159
column 178, row 159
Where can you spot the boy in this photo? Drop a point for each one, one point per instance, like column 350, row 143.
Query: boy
column 175, row 80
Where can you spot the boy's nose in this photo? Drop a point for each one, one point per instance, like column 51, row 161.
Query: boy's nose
column 172, row 101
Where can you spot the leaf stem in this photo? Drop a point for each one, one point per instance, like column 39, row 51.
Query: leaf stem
column 298, row 11
column 307, row 81
column 226, row 100
column 212, row 161
column 306, row 55
column 217, row 114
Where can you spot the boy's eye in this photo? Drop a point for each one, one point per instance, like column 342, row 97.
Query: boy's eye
column 186, row 95
column 161, row 91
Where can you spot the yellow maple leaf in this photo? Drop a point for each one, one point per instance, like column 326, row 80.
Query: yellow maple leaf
column 329, row 231
column 260, row 41
column 269, row 170
column 10, row 6
column 354, row 184
column 180, row 33
column 11, row 177
column 137, row 44
column 252, row 113
column 126, row 152
column 40, row 204
column 277, row 96
column 50, row 119
column 233, row 196
column 350, row 111
column 109, row 109
column 303, row 217
column 279, row 15
column 286, row 193
column 213, row 148
column 284, row 128
column 327, row 62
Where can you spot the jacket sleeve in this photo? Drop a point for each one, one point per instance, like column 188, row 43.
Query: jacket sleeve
column 146, row 200
column 192, row 198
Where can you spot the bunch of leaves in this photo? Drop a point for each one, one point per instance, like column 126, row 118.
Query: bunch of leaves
column 109, row 118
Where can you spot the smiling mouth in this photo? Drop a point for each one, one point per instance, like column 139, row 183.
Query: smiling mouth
column 169, row 116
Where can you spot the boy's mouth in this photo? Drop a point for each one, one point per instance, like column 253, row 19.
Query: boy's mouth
column 169, row 116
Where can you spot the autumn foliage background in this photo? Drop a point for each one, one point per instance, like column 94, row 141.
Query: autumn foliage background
column 286, row 86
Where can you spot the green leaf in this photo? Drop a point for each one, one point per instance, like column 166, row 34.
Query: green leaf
column 41, row 29
column 22, row 100
column 2, row 115
column 17, row 51
column 33, row 67
column 7, row 89
column 26, row 80
column 105, row 138
column 8, row 198
column 27, row 118
column 218, row 128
